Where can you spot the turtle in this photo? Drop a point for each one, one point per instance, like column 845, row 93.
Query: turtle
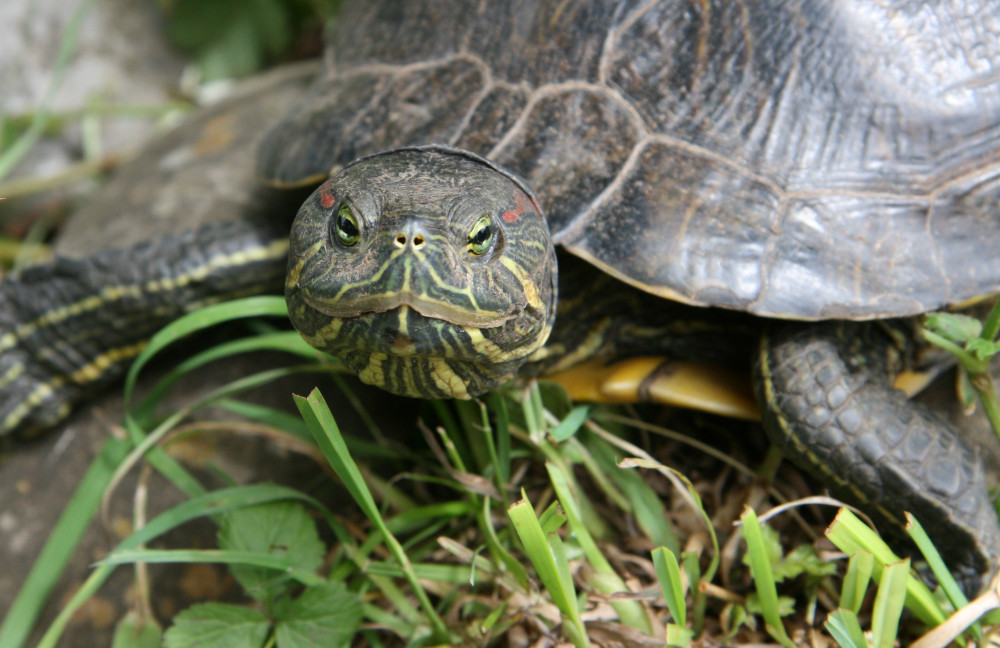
column 494, row 190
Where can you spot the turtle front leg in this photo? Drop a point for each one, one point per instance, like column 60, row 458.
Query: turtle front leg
column 828, row 402
column 71, row 327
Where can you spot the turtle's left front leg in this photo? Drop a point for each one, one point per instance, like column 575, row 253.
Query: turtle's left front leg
column 827, row 400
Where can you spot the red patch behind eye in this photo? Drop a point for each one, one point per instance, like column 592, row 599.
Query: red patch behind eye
column 510, row 216
column 325, row 197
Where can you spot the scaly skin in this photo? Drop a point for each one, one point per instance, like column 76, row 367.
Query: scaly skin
column 828, row 403
column 109, row 305
column 406, row 304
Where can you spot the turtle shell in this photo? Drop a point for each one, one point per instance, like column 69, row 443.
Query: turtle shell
column 808, row 159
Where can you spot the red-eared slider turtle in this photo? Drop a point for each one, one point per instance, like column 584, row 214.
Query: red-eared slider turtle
column 812, row 160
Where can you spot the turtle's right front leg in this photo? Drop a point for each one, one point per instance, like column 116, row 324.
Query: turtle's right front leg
column 827, row 400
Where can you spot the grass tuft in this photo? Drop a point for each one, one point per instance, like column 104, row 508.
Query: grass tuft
column 522, row 513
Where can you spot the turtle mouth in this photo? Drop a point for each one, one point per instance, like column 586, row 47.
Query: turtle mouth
column 430, row 308
column 404, row 333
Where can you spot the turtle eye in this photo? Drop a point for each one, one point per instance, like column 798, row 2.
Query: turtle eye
column 346, row 226
column 481, row 236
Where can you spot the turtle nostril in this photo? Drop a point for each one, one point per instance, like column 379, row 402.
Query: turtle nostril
column 418, row 240
column 400, row 239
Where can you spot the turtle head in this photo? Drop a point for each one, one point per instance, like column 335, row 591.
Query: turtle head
column 428, row 271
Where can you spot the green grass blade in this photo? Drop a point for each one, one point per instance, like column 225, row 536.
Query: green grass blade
column 859, row 573
column 544, row 558
column 324, row 429
column 270, row 416
column 439, row 573
column 211, row 504
column 668, row 572
column 944, row 576
column 889, row 602
column 852, row 535
column 631, row 613
column 844, row 627
column 261, row 306
column 642, row 501
column 561, row 563
column 936, row 563
column 499, row 469
column 502, row 439
column 283, row 566
column 763, row 577
column 678, row 635
column 145, row 445
column 571, row 424
column 327, row 434
column 497, row 548
column 285, row 341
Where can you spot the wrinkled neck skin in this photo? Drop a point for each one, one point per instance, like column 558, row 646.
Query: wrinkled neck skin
column 603, row 318
column 427, row 271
